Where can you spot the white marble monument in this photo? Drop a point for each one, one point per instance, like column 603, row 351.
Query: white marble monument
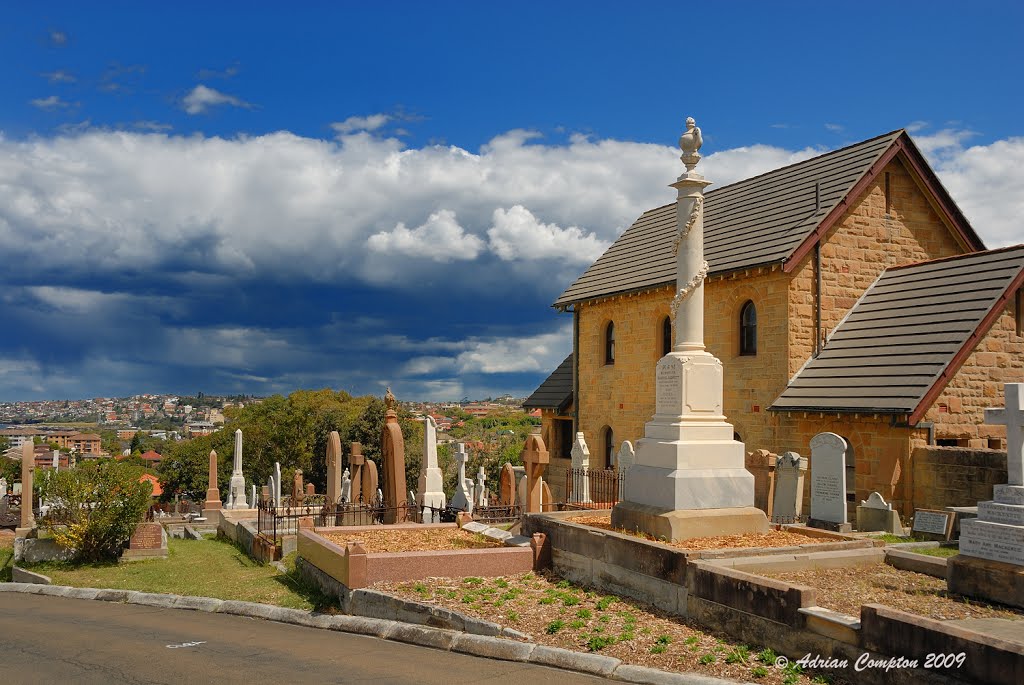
column 689, row 479
column 991, row 560
column 430, row 487
column 828, row 483
column 463, row 497
column 480, row 493
column 581, row 467
column 875, row 514
column 236, row 487
column 277, row 483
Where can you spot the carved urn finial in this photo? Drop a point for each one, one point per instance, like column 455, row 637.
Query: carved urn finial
column 390, row 402
column 690, row 143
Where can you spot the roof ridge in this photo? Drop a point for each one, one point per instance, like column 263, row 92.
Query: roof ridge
column 895, row 132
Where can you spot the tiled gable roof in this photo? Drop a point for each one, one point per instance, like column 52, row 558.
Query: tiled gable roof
column 767, row 219
column 907, row 335
column 556, row 391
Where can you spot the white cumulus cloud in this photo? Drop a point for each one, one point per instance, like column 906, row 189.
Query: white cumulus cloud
column 439, row 238
column 201, row 98
column 518, row 234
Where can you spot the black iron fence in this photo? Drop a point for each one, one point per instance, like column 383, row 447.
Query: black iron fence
column 594, row 488
column 498, row 514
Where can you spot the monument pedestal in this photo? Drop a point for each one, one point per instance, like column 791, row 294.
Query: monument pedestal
column 684, row 524
column 689, row 479
column 991, row 560
column 997, row 581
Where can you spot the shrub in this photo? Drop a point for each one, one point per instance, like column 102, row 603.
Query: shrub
column 555, row 626
column 95, row 508
column 599, row 642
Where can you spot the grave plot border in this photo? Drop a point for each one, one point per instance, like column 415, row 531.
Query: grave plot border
column 720, row 589
column 354, row 567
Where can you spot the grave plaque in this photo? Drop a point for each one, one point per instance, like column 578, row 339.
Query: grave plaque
column 933, row 522
column 997, row 512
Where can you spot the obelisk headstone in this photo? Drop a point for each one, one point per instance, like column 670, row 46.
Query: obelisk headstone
column 333, row 468
column 431, row 495
column 393, row 448
column 536, row 458
column 213, row 502
column 828, row 483
column 689, row 479
column 580, row 470
column 237, row 484
column 991, row 560
column 463, row 497
column 277, row 484
column 788, row 504
column 28, row 472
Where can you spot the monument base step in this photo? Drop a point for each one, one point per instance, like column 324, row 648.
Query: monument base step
column 684, row 524
column 830, row 525
column 996, row 581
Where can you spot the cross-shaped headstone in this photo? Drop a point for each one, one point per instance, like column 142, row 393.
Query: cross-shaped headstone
column 356, row 460
column 1012, row 416
column 536, row 457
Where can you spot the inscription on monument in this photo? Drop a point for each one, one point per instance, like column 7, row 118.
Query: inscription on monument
column 994, row 541
column 1011, row 514
column 669, row 381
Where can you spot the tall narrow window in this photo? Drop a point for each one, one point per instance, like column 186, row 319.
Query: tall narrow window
column 748, row 329
column 609, row 344
column 609, row 446
column 666, row 335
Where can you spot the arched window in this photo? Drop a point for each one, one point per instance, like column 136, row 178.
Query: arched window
column 609, row 343
column 666, row 335
column 748, row 329
column 609, row 447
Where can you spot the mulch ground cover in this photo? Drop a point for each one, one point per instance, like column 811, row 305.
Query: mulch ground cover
column 845, row 590
column 773, row 538
column 429, row 540
column 558, row 613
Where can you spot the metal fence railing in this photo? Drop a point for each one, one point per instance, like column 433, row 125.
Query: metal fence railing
column 594, row 488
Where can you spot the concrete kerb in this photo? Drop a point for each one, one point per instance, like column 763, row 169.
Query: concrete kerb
column 484, row 646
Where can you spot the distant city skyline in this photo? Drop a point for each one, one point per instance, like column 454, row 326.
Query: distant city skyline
column 356, row 197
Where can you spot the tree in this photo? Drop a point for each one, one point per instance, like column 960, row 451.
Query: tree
column 96, row 507
column 136, row 443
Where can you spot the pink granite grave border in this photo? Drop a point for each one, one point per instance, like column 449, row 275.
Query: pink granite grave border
column 354, row 567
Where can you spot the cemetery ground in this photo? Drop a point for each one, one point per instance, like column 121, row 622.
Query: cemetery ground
column 556, row 612
column 202, row 568
column 916, row 593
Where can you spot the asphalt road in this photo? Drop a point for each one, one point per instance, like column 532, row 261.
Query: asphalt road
column 57, row 640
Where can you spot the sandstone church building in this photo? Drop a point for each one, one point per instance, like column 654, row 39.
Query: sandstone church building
column 846, row 293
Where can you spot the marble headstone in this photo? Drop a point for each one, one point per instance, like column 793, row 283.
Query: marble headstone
column 828, row 481
column 789, row 488
column 580, row 466
column 875, row 514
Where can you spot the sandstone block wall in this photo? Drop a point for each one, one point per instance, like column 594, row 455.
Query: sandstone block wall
column 954, row 476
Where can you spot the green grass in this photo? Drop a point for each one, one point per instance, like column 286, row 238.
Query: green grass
column 203, row 568
column 895, row 539
column 937, row 551
column 6, row 558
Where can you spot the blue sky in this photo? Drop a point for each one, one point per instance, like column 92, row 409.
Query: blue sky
column 236, row 197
